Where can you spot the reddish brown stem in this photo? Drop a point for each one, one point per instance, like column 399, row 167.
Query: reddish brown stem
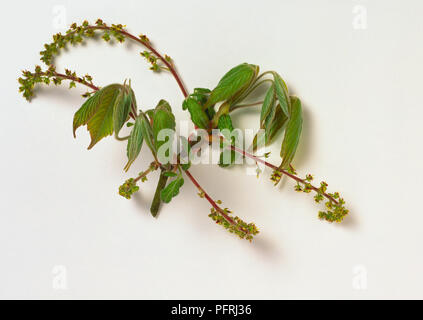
column 251, row 156
column 76, row 79
column 154, row 51
column 153, row 166
column 132, row 114
column 212, row 202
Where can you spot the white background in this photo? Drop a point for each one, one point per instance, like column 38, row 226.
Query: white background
column 362, row 97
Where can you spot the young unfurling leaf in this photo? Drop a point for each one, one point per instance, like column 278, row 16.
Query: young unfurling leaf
column 225, row 126
column 170, row 174
column 97, row 113
column 233, row 82
column 200, row 95
column 268, row 105
column 163, row 119
column 123, row 104
column 134, row 142
column 227, row 156
column 185, row 153
column 292, row 133
column 164, row 104
column 202, row 91
column 161, row 184
column 225, row 122
column 121, row 110
column 100, row 124
column 150, row 114
column 282, row 93
column 147, row 132
column 198, row 115
column 277, row 123
column 86, row 111
column 104, row 96
column 172, row 189
column 273, row 124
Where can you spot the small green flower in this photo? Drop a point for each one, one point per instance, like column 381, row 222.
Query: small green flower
column 106, row 37
column 276, row 176
column 236, row 226
column 127, row 189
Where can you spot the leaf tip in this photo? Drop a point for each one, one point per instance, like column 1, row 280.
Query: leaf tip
column 91, row 145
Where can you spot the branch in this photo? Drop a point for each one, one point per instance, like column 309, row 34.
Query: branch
column 302, row 181
column 76, row 79
column 74, row 35
column 215, row 205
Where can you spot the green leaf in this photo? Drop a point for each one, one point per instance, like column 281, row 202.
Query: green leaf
column 100, row 125
column 225, row 126
column 172, row 189
column 155, row 204
column 279, row 120
column 163, row 103
column 184, row 153
column 225, row 155
column 200, row 95
column 163, row 119
column 210, row 112
column 150, row 114
column 268, row 105
column 292, row 133
column 198, row 116
column 147, row 132
column 86, row 111
column 121, row 110
column 233, row 82
column 203, row 91
column 170, row 174
column 273, row 124
column 97, row 113
column 132, row 94
column 225, row 122
column 134, row 142
column 282, row 93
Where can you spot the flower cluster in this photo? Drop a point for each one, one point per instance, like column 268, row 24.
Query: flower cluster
column 335, row 205
column 144, row 38
column 277, row 173
column 235, row 225
column 127, row 189
column 276, row 176
column 336, row 211
column 30, row 79
column 152, row 59
column 115, row 31
column 76, row 33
